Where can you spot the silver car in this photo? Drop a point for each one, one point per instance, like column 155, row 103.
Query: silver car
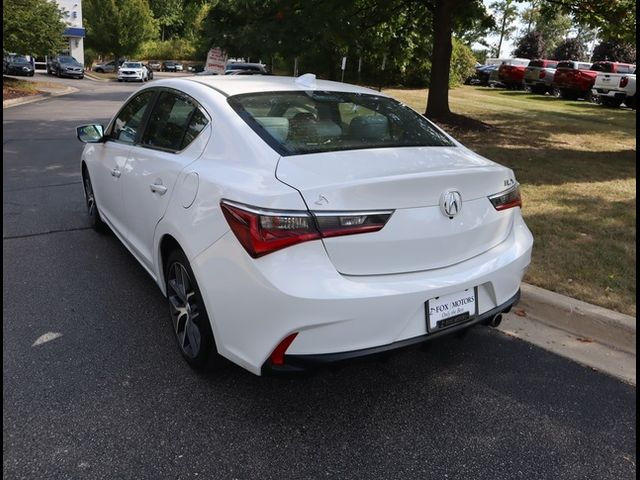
column 538, row 76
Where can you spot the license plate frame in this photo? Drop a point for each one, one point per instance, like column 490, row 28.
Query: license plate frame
column 455, row 319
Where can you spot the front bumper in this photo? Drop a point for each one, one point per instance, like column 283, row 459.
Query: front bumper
column 253, row 304
column 137, row 78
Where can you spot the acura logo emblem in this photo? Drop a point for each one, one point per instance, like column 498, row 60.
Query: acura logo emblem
column 451, row 203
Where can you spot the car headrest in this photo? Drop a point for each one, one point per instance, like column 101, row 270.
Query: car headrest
column 369, row 127
column 278, row 127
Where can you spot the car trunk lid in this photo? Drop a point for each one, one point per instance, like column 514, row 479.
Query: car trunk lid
column 411, row 181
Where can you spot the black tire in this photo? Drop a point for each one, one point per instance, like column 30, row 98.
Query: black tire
column 92, row 206
column 555, row 92
column 611, row 102
column 630, row 102
column 189, row 319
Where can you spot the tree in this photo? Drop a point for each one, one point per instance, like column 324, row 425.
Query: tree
column 507, row 13
column 570, row 49
column 553, row 24
column 531, row 46
column 169, row 15
column 32, row 27
column 615, row 51
column 118, row 27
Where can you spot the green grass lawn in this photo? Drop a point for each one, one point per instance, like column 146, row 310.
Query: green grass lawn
column 576, row 164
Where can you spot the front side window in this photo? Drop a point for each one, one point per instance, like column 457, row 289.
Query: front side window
column 301, row 122
column 129, row 120
column 174, row 122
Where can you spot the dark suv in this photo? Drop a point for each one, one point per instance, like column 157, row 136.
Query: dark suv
column 17, row 65
column 242, row 68
column 65, row 66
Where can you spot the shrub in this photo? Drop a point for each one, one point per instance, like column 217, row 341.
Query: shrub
column 463, row 63
column 174, row 49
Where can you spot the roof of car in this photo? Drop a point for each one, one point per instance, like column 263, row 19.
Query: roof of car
column 237, row 84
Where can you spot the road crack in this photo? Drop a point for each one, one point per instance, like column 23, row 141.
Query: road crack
column 39, row 234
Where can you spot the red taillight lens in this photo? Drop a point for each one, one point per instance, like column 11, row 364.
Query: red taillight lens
column 624, row 81
column 264, row 231
column 543, row 74
column 277, row 357
column 508, row 199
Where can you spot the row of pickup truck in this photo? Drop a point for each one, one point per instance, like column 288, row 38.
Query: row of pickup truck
column 608, row 83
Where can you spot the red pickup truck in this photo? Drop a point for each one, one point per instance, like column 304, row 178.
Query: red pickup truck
column 574, row 80
column 511, row 73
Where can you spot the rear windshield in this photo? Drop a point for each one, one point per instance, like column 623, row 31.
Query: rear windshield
column 602, row 67
column 301, row 122
column 565, row 65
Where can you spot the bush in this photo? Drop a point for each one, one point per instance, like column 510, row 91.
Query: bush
column 174, row 49
column 90, row 56
column 463, row 63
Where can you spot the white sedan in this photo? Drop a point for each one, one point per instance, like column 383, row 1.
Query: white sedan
column 297, row 222
column 135, row 71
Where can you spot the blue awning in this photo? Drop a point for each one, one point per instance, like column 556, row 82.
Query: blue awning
column 74, row 32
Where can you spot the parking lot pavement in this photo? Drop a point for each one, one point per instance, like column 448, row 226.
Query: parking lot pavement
column 94, row 386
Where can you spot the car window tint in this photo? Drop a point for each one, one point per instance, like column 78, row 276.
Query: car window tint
column 168, row 121
column 196, row 125
column 128, row 121
column 328, row 121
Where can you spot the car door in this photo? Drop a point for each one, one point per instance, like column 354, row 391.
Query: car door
column 176, row 133
column 109, row 158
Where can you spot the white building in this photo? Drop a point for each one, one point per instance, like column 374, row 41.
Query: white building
column 74, row 34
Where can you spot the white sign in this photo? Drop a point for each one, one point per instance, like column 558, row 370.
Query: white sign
column 344, row 63
column 216, row 61
column 452, row 305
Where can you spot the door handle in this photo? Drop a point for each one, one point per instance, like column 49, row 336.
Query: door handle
column 116, row 173
column 158, row 188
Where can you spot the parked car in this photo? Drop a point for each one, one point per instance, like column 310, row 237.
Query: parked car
column 171, row 66
column 65, row 66
column 613, row 89
column 243, row 66
column 18, row 65
column 481, row 75
column 538, row 75
column 135, row 71
column 494, row 79
column 511, row 73
column 424, row 238
column 575, row 80
column 155, row 65
column 108, row 67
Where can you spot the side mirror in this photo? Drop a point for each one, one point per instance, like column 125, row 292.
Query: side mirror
column 90, row 133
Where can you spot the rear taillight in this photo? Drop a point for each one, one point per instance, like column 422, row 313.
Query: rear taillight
column 507, row 199
column 263, row 231
column 624, row 81
column 543, row 74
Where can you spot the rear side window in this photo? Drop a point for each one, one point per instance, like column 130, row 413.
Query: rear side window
column 536, row 63
column 174, row 123
column 127, row 123
column 300, row 122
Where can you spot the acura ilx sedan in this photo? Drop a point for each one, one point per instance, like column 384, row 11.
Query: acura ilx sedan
column 294, row 222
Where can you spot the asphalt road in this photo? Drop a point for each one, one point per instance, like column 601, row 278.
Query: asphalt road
column 110, row 397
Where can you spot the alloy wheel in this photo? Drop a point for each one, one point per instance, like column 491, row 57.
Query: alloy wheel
column 184, row 310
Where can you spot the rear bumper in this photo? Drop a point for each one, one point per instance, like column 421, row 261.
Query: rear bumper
column 301, row 363
column 253, row 304
column 601, row 92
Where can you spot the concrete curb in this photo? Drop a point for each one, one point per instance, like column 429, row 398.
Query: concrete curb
column 582, row 319
column 96, row 79
column 14, row 102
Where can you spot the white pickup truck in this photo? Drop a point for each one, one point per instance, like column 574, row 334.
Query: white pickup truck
column 612, row 89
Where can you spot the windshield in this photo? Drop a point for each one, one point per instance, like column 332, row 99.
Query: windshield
column 20, row 60
column 298, row 122
column 67, row 60
column 131, row 65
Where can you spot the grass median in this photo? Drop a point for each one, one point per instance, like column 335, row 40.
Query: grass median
column 576, row 165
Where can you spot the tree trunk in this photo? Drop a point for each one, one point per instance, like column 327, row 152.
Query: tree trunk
column 438, row 99
column 504, row 26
